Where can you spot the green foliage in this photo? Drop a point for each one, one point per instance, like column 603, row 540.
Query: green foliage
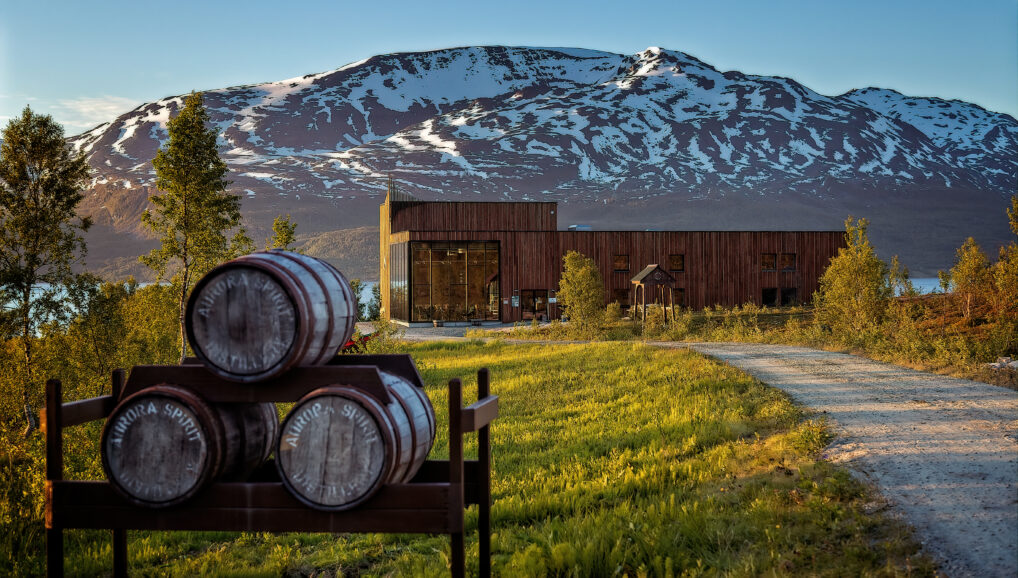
column 284, row 234
column 812, row 436
column 581, row 290
column 970, row 275
column 1005, row 280
column 115, row 325
column 1012, row 214
column 356, row 285
column 855, row 288
column 898, row 279
column 613, row 312
column 386, row 338
column 41, row 182
column 374, row 307
column 194, row 214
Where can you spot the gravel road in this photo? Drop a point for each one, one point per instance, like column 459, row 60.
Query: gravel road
column 942, row 451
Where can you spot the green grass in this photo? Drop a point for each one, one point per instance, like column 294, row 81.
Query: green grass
column 608, row 459
column 926, row 333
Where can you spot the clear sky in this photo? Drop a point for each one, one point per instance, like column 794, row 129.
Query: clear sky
column 86, row 62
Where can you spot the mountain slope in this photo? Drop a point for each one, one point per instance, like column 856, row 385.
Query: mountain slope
column 662, row 137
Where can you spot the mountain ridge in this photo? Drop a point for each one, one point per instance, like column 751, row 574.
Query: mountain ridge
column 585, row 128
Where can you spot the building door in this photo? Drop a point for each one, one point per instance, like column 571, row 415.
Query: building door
column 534, row 304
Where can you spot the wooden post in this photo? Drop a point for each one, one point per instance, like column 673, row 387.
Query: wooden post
column 117, row 385
column 54, row 472
column 671, row 297
column 456, row 560
column 484, row 463
column 119, row 534
column 441, row 487
column 671, row 305
column 644, row 303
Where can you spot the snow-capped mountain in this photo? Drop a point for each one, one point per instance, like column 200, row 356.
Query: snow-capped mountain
column 655, row 134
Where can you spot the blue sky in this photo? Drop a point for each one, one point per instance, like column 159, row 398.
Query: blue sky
column 87, row 62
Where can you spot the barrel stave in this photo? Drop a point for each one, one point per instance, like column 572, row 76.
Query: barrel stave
column 330, row 460
column 255, row 317
column 163, row 444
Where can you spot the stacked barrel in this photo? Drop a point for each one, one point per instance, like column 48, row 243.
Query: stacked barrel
column 248, row 321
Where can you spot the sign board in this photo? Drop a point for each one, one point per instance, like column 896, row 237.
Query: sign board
column 505, row 302
column 552, row 300
column 516, row 300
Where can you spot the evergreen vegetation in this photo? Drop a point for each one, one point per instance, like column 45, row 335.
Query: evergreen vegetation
column 41, row 183
column 357, row 286
column 194, row 214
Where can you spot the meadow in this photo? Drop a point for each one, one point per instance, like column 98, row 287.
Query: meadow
column 609, row 459
column 927, row 332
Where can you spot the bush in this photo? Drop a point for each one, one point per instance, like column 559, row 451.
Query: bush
column 581, row 290
column 855, row 288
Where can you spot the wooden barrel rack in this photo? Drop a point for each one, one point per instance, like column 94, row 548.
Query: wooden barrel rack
column 433, row 502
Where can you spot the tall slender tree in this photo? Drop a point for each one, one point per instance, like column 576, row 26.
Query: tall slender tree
column 194, row 213
column 41, row 183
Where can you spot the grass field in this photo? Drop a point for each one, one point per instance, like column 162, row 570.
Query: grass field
column 609, row 460
column 927, row 332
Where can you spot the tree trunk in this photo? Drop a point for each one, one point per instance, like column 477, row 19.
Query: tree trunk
column 181, row 306
column 31, row 423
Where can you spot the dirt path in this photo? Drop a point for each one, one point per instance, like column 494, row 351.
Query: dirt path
column 943, row 451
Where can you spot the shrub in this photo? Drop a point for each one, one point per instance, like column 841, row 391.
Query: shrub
column 855, row 289
column 581, row 290
column 970, row 275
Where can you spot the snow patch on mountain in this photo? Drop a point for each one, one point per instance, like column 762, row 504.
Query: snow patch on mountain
column 505, row 122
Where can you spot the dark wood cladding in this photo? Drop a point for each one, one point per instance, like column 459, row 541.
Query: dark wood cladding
column 720, row 267
column 423, row 216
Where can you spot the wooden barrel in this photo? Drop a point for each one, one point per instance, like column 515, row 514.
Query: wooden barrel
column 339, row 445
column 163, row 444
column 253, row 318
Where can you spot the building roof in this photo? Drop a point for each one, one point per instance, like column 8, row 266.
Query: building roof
column 653, row 275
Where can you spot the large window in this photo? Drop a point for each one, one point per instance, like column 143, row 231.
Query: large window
column 454, row 281
column 768, row 261
column 398, row 298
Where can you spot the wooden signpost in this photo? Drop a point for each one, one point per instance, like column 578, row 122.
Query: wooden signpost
column 432, row 502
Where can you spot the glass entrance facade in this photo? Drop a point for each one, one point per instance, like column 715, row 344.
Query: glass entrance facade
column 448, row 281
column 534, row 304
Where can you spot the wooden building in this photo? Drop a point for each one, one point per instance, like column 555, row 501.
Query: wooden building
column 459, row 261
